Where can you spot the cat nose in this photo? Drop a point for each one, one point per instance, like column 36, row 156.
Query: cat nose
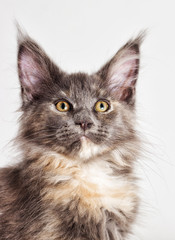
column 84, row 125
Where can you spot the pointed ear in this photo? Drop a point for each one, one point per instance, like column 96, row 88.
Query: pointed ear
column 36, row 71
column 121, row 72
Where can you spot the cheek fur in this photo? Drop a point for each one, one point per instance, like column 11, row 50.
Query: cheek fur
column 120, row 125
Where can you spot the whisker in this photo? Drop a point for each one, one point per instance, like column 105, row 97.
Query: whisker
column 36, row 134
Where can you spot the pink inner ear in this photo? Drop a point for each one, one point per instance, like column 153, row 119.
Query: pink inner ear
column 29, row 70
column 123, row 74
column 30, row 74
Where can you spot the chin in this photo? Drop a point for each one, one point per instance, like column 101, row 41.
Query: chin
column 90, row 150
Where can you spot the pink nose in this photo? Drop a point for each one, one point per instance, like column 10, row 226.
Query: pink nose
column 84, row 125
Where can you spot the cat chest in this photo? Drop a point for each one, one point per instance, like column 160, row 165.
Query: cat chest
column 91, row 189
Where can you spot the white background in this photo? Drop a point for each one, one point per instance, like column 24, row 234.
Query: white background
column 82, row 35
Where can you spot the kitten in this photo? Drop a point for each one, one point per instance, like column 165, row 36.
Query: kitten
column 78, row 140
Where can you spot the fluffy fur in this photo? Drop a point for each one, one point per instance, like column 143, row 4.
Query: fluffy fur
column 73, row 182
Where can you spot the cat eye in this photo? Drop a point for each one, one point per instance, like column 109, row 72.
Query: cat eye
column 63, row 106
column 101, row 106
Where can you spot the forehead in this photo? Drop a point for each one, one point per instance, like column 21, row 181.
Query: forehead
column 82, row 86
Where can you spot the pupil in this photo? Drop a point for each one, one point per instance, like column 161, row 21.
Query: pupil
column 102, row 106
column 63, row 106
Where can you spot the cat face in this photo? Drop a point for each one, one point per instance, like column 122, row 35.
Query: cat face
column 77, row 114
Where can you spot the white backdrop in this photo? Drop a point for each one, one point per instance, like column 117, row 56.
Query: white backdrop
column 82, row 35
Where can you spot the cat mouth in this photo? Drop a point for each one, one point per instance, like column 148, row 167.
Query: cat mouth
column 86, row 138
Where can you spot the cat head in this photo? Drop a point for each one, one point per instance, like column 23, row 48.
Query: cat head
column 77, row 115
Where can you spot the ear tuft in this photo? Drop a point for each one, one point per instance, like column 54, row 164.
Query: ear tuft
column 137, row 41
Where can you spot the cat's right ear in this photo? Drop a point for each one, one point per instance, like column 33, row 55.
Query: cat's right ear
column 120, row 74
column 36, row 71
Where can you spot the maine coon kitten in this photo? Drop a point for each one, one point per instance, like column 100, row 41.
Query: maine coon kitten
column 78, row 141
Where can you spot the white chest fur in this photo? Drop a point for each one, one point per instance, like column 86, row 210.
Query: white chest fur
column 93, row 184
column 105, row 190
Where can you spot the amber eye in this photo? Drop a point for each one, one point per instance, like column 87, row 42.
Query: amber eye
column 63, row 106
column 101, row 106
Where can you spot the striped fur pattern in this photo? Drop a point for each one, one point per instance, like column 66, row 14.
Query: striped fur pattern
column 73, row 183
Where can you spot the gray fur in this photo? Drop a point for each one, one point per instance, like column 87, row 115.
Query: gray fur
column 31, row 192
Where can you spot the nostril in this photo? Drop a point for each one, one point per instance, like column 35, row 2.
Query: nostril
column 89, row 124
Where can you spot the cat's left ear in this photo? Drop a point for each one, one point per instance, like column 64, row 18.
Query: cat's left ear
column 120, row 74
